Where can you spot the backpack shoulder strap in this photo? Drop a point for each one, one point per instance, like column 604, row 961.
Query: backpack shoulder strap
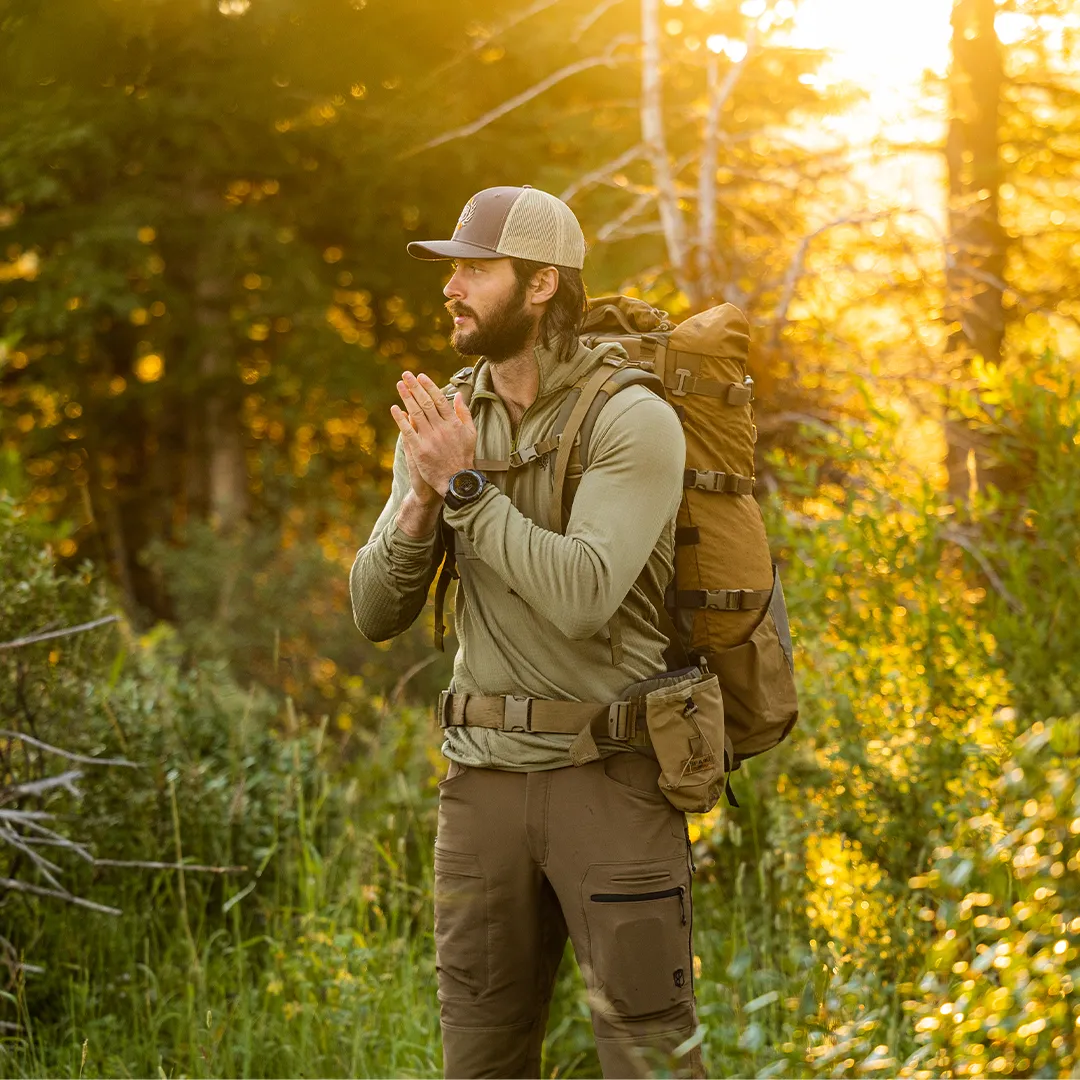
column 574, row 430
column 574, row 427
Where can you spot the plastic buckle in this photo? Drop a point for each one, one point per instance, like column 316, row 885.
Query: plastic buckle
column 732, row 599
column 683, row 374
column 620, row 721
column 517, row 713
column 523, row 457
column 444, row 711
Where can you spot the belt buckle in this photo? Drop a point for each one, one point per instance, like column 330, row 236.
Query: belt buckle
column 621, row 721
column 517, row 713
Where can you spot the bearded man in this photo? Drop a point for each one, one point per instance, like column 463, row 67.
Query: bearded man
column 535, row 845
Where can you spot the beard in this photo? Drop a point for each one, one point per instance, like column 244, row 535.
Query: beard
column 501, row 334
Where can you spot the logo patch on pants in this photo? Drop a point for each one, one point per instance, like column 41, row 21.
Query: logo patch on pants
column 678, row 976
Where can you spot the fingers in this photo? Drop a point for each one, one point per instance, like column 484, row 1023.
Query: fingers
column 442, row 405
column 463, row 414
column 405, row 425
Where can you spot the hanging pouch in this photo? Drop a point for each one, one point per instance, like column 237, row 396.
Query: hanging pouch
column 686, row 729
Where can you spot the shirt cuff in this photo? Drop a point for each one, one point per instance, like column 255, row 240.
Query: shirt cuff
column 405, row 550
column 463, row 519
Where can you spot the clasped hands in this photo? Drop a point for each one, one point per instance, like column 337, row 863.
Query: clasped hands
column 437, row 433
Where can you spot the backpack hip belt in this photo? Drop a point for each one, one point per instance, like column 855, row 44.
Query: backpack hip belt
column 543, row 715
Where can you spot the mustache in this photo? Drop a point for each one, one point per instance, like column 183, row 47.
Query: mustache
column 456, row 307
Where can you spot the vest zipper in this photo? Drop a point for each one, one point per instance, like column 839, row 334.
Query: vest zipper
column 630, row 898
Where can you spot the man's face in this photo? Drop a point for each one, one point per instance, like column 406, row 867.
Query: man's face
column 488, row 306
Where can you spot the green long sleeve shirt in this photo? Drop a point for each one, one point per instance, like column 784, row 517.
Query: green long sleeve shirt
column 533, row 606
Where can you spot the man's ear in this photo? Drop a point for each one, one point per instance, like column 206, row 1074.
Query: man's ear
column 544, row 285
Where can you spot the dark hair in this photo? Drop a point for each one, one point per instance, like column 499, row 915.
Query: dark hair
column 561, row 322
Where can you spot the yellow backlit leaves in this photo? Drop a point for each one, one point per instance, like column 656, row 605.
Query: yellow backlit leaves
column 146, row 235
column 149, row 368
column 23, row 266
column 333, row 254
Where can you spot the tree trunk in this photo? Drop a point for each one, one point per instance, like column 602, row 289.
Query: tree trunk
column 975, row 252
column 652, row 135
column 226, row 468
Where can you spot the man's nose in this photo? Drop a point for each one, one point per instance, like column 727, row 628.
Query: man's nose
column 452, row 290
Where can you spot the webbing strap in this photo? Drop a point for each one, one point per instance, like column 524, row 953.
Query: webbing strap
column 617, row 720
column 556, row 517
column 683, row 381
column 719, row 482
column 447, row 573
column 721, row 599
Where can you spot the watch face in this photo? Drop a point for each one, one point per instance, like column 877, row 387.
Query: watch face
column 466, row 485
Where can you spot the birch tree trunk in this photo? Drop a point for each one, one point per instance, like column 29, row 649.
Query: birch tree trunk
column 655, row 148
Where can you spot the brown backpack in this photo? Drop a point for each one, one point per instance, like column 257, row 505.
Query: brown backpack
column 725, row 605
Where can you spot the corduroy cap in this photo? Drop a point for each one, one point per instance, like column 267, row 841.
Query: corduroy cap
column 520, row 222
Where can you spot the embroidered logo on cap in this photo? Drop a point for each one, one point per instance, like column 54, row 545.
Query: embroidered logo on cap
column 466, row 214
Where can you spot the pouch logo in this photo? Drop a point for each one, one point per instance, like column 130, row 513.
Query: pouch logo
column 677, row 975
column 466, row 215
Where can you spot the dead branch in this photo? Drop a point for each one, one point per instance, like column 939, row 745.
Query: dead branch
column 80, row 758
column 64, row 780
column 194, row 868
column 58, row 633
column 636, row 207
column 588, row 20
column 608, row 59
column 798, row 262
column 954, row 536
column 601, row 173
column 70, row 898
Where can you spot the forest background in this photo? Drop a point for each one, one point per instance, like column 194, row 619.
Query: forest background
column 204, row 304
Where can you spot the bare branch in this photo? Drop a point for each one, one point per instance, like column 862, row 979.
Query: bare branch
column 81, row 758
column 798, row 262
column 603, row 172
column 508, row 106
column 46, row 867
column 482, row 41
column 65, row 780
column 70, row 898
column 195, row 868
column 636, row 207
column 597, row 12
column 956, row 537
column 58, row 633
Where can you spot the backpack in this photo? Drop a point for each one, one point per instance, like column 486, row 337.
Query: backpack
column 725, row 607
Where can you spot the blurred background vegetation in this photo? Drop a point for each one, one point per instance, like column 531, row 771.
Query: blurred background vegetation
column 204, row 303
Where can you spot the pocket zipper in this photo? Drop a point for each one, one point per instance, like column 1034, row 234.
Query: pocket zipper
column 630, row 898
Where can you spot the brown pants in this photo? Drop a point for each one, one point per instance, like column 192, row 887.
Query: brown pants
column 524, row 859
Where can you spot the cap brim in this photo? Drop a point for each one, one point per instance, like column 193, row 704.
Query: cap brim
column 450, row 249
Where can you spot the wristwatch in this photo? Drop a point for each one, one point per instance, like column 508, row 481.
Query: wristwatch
column 465, row 487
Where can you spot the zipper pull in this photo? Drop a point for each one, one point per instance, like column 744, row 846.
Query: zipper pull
column 682, row 904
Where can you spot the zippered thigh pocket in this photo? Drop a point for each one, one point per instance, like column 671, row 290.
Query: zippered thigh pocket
column 639, row 936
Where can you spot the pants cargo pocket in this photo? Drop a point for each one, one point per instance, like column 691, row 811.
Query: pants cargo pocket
column 461, row 925
column 638, row 919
